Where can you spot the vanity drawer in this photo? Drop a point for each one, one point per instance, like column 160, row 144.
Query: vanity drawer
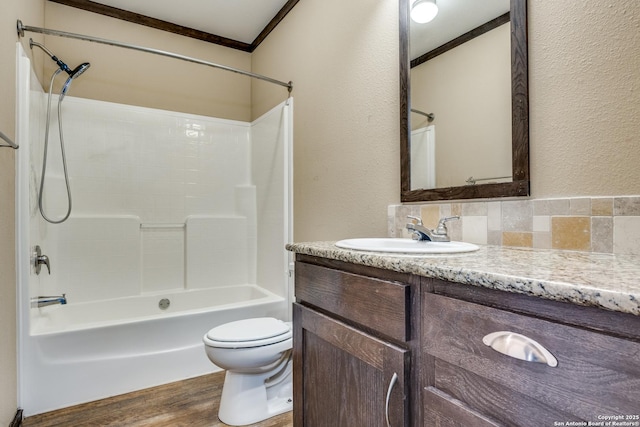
column 596, row 374
column 376, row 304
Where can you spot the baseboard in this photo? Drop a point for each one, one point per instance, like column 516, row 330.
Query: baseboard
column 17, row 420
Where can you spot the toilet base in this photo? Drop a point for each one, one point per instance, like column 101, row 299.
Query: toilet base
column 251, row 398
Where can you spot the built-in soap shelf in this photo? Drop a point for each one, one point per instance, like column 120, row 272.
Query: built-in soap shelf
column 150, row 226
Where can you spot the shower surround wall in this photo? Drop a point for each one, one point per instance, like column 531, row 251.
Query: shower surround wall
column 165, row 205
column 161, row 201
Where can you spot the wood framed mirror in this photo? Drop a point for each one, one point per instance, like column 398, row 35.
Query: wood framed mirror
column 517, row 184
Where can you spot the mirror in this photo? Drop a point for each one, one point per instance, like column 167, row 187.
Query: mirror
column 490, row 126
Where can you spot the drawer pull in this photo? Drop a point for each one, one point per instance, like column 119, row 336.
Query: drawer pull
column 519, row 347
column 392, row 383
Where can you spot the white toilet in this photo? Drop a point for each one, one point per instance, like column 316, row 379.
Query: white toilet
column 257, row 356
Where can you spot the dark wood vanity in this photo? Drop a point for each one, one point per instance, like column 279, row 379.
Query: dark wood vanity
column 375, row 347
column 352, row 332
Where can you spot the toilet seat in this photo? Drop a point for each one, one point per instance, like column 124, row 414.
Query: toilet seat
column 248, row 333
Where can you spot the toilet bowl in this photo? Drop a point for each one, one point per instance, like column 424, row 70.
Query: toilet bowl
column 256, row 354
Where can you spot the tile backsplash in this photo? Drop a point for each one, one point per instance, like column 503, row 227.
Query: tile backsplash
column 587, row 224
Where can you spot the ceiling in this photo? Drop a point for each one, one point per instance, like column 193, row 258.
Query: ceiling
column 455, row 17
column 243, row 24
column 239, row 24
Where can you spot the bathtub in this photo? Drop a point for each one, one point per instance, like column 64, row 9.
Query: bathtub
column 86, row 351
column 114, row 261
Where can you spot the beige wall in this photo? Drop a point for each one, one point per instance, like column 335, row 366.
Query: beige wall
column 31, row 12
column 343, row 60
column 469, row 91
column 585, row 97
column 139, row 78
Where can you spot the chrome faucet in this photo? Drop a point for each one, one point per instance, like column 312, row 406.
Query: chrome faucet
column 420, row 232
column 45, row 301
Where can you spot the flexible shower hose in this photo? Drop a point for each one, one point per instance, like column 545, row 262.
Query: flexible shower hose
column 44, row 157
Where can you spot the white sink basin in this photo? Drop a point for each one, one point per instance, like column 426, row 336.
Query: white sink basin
column 406, row 246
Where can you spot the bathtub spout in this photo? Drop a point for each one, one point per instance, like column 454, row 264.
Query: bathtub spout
column 38, row 302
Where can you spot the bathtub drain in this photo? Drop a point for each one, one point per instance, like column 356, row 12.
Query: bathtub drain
column 164, row 303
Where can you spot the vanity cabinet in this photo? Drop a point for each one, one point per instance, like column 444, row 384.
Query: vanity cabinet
column 353, row 344
column 372, row 345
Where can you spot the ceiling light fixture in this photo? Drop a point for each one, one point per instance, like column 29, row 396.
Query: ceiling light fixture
column 423, row 11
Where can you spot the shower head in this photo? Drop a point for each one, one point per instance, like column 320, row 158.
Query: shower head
column 79, row 70
column 76, row 72
column 72, row 75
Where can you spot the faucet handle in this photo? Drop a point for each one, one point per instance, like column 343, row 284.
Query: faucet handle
column 442, row 226
column 417, row 219
column 39, row 259
column 43, row 259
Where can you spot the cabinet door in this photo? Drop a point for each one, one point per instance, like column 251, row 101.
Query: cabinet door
column 344, row 377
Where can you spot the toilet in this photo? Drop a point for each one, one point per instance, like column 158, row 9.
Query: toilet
column 256, row 353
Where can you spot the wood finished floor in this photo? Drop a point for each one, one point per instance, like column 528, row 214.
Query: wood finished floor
column 193, row 403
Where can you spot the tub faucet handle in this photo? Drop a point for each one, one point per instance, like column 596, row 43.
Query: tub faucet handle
column 39, row 259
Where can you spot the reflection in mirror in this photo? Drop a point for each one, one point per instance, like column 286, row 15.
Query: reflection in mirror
column 469, row 87
column 464, row 138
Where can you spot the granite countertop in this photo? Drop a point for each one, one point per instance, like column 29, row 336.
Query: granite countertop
column 601, row 280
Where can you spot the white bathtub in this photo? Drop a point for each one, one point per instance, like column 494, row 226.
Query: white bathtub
column 87, row 351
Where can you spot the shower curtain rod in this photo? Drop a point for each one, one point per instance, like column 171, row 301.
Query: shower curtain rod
column 9, row 141
column 430, row 116
column 22, row 28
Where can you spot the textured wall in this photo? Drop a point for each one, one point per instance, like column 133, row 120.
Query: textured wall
column 343, row 60
column 585, row 97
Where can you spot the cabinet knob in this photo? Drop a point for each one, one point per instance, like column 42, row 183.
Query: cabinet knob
column 392, row 383
column 520, row 347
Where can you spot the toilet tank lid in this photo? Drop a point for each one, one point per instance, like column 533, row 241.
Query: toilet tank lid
column 258, row 328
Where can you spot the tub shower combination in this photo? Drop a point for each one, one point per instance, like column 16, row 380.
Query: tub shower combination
column 178, row 225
